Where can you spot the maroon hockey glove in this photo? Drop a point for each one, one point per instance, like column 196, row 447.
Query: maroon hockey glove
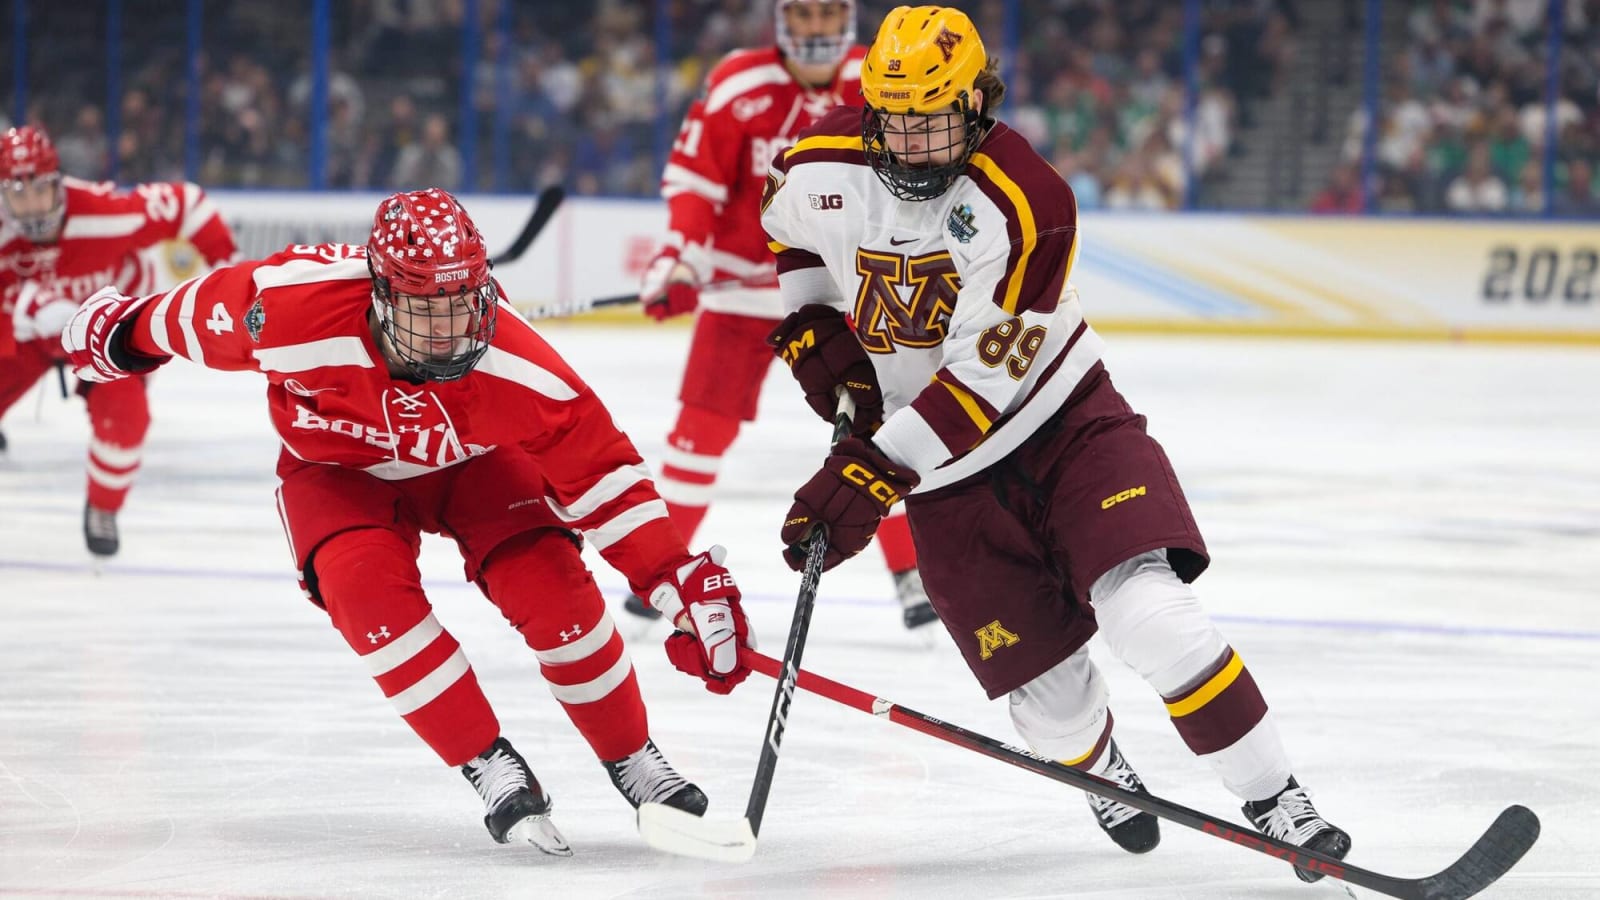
column 96, row 338
column 850, row 495
column 823, row 355
column 669, row 287
column 702, row 601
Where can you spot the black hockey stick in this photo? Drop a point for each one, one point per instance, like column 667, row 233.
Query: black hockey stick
column 1485, row 861
column 543, row 209
column 676, row 831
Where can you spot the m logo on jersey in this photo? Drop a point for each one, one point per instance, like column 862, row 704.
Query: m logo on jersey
column 994, row 636
column 946, row 42
column 883, row 319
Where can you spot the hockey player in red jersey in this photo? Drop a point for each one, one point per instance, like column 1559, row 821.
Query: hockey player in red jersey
column 937, row 291
column 410, row 397
column 715, row 258
column 61, row 239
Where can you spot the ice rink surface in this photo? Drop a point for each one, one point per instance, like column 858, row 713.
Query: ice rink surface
column 1406, row 544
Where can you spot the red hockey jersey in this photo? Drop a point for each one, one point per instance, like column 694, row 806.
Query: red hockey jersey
column 752, row 107
column 133, row 239
column 300, row 317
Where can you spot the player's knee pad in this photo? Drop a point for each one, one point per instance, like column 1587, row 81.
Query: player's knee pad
column 366, row 577
column 1062, row 714
column 1154, row 622
column 542, row 587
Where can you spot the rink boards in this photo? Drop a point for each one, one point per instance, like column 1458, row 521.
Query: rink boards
column 1481, row 279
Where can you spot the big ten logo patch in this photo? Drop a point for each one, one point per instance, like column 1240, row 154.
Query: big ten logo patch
column 994, row 636
column 826, row 201
column 884, row 320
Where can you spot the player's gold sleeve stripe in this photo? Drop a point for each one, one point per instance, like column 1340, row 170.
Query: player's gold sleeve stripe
column 970, row 405
column 825, row 142
column 1025, row 226
column 1208, row 691
column 776, row 247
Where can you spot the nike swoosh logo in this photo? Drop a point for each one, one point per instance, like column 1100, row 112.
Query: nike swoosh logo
column 895, row 243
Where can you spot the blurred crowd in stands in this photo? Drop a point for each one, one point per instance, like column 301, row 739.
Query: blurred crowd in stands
column 586, row 95
column 1463, row 123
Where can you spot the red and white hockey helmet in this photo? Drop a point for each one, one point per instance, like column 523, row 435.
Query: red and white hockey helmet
column 430, row 283
column 816, row 49
column 30, row 183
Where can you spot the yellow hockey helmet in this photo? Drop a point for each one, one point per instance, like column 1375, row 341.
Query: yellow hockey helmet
column 924, row 60
column 924, row 65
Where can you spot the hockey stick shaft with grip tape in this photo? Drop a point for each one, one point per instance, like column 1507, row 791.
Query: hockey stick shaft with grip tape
column 1494, row 853
column 678, row 832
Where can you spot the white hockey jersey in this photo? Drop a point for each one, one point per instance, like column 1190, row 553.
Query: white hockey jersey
column 962, row 302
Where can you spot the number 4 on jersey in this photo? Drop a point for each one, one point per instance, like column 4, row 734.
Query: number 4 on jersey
column 220, row 321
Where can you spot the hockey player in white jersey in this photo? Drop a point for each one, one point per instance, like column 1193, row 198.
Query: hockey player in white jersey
column 923, row 257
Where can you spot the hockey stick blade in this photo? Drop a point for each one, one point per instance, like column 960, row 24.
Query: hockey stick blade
column 675, row 831
column 1500, row 848
column 543, row 210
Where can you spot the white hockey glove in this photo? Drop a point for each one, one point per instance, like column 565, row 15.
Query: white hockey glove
column 701, row 600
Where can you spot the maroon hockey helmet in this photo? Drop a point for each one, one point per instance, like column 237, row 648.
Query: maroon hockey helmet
column 430, row 284
column 31, row 194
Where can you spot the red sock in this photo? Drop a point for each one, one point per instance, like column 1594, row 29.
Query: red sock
column 541, row 585
column 370, row 585
column 694, row 456
column 119, row 414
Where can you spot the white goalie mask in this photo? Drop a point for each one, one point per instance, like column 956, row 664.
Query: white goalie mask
column 816, row 50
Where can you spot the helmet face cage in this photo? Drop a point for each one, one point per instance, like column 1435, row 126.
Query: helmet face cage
column 964, row 128
column 817, row 50
column 409, row 324
column 431, row 289
column 37, row 227
column 27, row 160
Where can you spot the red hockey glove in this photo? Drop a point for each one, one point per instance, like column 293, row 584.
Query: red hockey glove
column 669, row 287
column 850, row 494
column 96, row 338
column 823, row 355
column 702, row 601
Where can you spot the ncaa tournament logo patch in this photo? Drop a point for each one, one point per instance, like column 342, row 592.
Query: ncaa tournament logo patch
column 254, row 320
column 961, row 227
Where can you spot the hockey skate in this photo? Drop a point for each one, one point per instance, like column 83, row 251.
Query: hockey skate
column 645, row 776
column 100, row 531
column 915, row 610
column 1290, row 817
column 516, row 808
column 1134, row 831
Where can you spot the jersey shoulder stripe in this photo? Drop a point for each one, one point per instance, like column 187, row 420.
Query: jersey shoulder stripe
column 1039, row 209
column 741, row 73
column 836, row 137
